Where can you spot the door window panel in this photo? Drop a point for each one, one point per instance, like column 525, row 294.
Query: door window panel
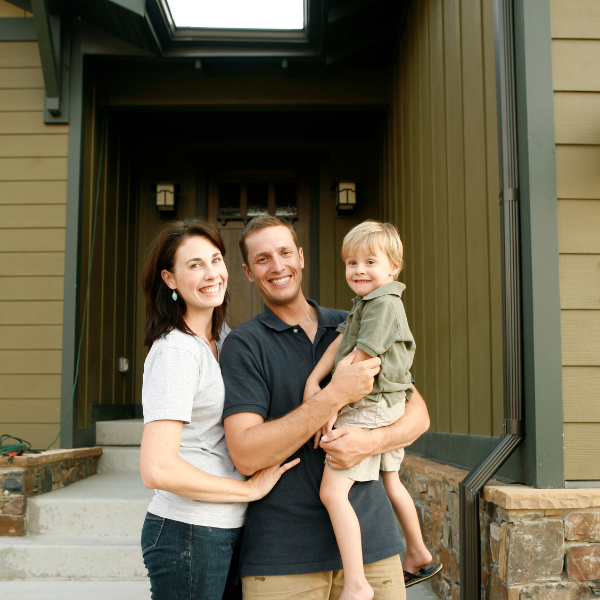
column 229, row 199
column 257, row 198
column 285, row 199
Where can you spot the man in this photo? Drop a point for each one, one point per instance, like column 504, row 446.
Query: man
column 289, row 549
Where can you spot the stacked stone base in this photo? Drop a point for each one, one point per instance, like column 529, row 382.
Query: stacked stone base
column 535, row 544
column 34, row 474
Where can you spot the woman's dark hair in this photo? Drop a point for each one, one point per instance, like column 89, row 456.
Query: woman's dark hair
column 162, row 313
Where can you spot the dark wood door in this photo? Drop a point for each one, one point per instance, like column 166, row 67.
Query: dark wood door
column 237, row 195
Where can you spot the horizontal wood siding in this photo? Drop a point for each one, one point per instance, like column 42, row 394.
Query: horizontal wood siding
column 11, row 11
column 33, row 173
column 576, row 70
column 441, row 190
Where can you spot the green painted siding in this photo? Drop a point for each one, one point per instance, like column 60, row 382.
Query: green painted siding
column 441, row 190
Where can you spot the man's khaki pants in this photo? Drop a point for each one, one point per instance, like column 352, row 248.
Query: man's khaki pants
column 385, row 576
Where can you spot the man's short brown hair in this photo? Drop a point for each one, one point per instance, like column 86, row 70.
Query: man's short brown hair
column 262, row 222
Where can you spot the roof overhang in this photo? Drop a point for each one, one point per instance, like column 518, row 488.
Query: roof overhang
column 360, row 31
column 336, row 33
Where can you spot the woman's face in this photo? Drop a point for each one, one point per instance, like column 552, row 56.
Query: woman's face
column 199, row 274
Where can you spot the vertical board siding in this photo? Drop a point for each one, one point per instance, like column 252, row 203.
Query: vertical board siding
column 441, row 309
column 443, row 197
column 575, row 56
column 32, row 239
column 109, row 324
column 476, row 222
column 363, row 162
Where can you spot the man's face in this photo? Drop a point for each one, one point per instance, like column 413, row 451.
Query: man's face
column 275, row 265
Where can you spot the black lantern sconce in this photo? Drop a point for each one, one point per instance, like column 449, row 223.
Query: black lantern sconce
column 345, row 192
column 165, row 196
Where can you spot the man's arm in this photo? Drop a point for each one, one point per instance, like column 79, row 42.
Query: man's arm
column 347, row 446
column 254, row 443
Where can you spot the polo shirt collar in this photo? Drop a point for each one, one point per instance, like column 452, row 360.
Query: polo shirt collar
column 270, row 319
column 394, row 287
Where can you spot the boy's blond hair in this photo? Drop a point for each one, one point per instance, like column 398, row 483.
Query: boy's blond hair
column 373, row 236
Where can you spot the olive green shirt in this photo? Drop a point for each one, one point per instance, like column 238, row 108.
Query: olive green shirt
column 377, row 325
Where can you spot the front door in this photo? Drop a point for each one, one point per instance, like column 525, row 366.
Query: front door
column 237, row 195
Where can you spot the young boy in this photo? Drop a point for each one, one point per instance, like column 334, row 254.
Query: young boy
column 376, row 326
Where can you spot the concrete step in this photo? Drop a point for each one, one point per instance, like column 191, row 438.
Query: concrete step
column 100, row 506
column 77, row 590
column 43, row 557
column 126, row 432
column 120, row 460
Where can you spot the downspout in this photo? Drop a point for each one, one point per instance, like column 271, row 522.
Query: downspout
column 484, row 470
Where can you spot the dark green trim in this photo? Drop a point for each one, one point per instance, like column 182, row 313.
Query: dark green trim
column 17, row 30
column 136, row 6
column 48, row 30
column 314, row 234
column 543, row 446
column 464, row 451
column 71, row 294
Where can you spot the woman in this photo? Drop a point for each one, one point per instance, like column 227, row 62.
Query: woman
column 196, row 515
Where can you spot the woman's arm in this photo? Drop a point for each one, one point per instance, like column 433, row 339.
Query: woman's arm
column 161, row 468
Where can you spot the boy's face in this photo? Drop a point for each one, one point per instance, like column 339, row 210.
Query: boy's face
column 367, row 271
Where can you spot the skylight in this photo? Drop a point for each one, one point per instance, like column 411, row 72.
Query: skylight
column 238, row 14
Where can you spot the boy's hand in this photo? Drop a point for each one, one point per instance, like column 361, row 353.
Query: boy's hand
column 311, row 389
column 325, row 430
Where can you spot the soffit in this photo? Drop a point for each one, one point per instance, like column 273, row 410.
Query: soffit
column 338, row 33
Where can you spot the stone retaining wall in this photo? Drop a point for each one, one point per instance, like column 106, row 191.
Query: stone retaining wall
column 535, row 544
column 34, row 474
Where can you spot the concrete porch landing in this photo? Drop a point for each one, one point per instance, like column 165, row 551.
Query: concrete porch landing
column 87, row 531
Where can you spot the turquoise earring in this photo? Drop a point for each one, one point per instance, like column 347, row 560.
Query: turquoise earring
column 174, row 295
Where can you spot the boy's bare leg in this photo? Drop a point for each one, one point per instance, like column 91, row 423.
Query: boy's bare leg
column 334, row 495
column 417, row 554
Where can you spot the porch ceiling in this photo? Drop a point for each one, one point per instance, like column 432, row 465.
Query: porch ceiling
column 338, row 33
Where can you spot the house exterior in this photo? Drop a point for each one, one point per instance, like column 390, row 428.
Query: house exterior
column 400, row 97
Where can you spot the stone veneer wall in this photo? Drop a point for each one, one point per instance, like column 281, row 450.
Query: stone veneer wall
column 535, row 544
column 34, row 474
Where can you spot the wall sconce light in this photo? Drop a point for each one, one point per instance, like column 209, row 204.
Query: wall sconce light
column 345, row 196
column 165, row 196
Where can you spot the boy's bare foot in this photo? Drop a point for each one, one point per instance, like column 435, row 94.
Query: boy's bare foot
column 357, row 590
column 414, row 560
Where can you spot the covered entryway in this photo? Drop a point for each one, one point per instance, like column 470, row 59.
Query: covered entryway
column 224, row 166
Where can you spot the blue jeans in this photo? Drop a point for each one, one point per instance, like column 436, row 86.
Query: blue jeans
column 190, row 562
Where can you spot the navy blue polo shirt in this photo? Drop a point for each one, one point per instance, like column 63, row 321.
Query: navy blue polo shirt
column 265, row 364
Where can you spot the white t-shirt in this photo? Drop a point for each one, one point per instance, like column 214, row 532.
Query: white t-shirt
column 183, row 382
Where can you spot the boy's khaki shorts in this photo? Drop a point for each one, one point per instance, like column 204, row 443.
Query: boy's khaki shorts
column 385, row 577
column 368, row 414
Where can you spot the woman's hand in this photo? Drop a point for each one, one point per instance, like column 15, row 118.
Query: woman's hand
column 263, row 481
column 324, row 430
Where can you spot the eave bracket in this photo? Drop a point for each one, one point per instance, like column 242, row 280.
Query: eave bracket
column 53, row 43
